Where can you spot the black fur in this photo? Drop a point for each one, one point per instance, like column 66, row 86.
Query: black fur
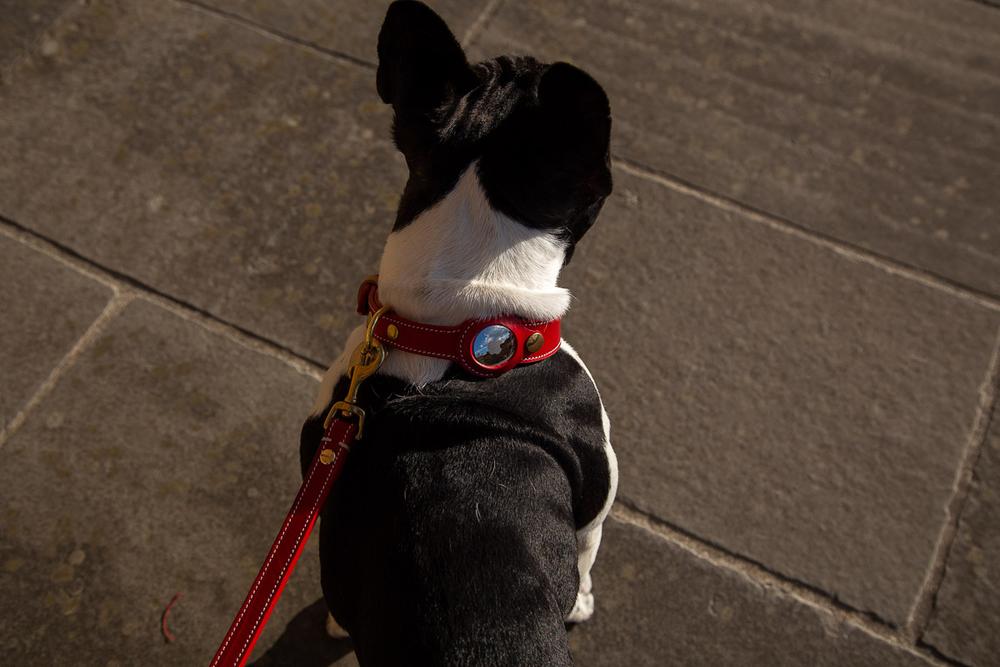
column 450, row 538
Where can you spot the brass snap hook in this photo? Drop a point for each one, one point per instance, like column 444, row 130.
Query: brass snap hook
column 365, row 360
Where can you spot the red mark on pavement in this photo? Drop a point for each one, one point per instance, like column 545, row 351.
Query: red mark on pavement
column 167, row 635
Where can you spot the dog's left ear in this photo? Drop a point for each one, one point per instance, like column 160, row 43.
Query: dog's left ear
column 578, row 120
column 575, row 137
column 420, row 63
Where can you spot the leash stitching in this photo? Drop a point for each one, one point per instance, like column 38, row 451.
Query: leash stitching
column 543, row 355
column 284, row 568
column 421, row 327
column 257, row 582
column 412, row 349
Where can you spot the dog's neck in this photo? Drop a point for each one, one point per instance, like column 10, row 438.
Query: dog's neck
column 462, row 259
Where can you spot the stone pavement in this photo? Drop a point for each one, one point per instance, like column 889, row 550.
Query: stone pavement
column 791, row 303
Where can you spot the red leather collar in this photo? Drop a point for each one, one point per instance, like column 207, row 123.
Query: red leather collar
column 485, row 347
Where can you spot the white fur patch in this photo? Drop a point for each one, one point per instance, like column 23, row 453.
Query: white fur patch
column 583, row 609
column 461, row 259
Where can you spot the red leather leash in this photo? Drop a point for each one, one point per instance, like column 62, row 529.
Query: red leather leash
column 343, row 425
column 483, row 347
column 287, row 547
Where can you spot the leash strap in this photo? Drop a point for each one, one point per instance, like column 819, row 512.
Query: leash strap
column 284, row 554
column 342, row 427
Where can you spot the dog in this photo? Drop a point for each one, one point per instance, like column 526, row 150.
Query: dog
column 467, row 520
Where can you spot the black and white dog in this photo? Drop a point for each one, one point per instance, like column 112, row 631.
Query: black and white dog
column 465, row 525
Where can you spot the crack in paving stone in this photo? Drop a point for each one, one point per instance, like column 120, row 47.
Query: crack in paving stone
column 482, row 21
column 775, row 582
column 773, row 221
column 114, row 306
column 926, row 601
column 122, row 281
column 276, row 34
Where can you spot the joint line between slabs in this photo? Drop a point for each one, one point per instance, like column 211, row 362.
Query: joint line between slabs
column 122, row 283
column 850, row 251
column 275, row 33
column 760, row 576
column 482, row 21
column 111, row 310
column 923, row 606
column 235, row 334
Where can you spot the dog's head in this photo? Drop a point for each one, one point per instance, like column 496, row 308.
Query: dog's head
column 539, row 133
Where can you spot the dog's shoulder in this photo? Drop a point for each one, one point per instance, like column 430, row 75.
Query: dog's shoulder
column 553, row 398
column 553, row 405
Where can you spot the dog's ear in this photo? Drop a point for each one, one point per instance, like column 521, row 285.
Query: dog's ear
column 420, row 63
column 564, row 86
column 573, row 101
column 578, row 117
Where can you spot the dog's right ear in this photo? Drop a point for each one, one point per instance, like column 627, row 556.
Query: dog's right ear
column 420, row 63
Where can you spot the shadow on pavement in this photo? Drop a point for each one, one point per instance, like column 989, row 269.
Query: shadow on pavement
column 304, row 643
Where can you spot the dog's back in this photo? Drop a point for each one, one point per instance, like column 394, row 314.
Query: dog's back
column 451, row 539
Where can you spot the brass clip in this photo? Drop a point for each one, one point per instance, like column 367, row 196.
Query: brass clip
column 365, row 360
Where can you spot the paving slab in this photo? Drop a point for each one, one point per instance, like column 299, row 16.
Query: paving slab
column 793, row 405
column 349, row 27
column 246, row 176
column 659, row 605
column 45, row 308
column 875, row 123
column 966, row 617
column 161, row 463
column 24, row 25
